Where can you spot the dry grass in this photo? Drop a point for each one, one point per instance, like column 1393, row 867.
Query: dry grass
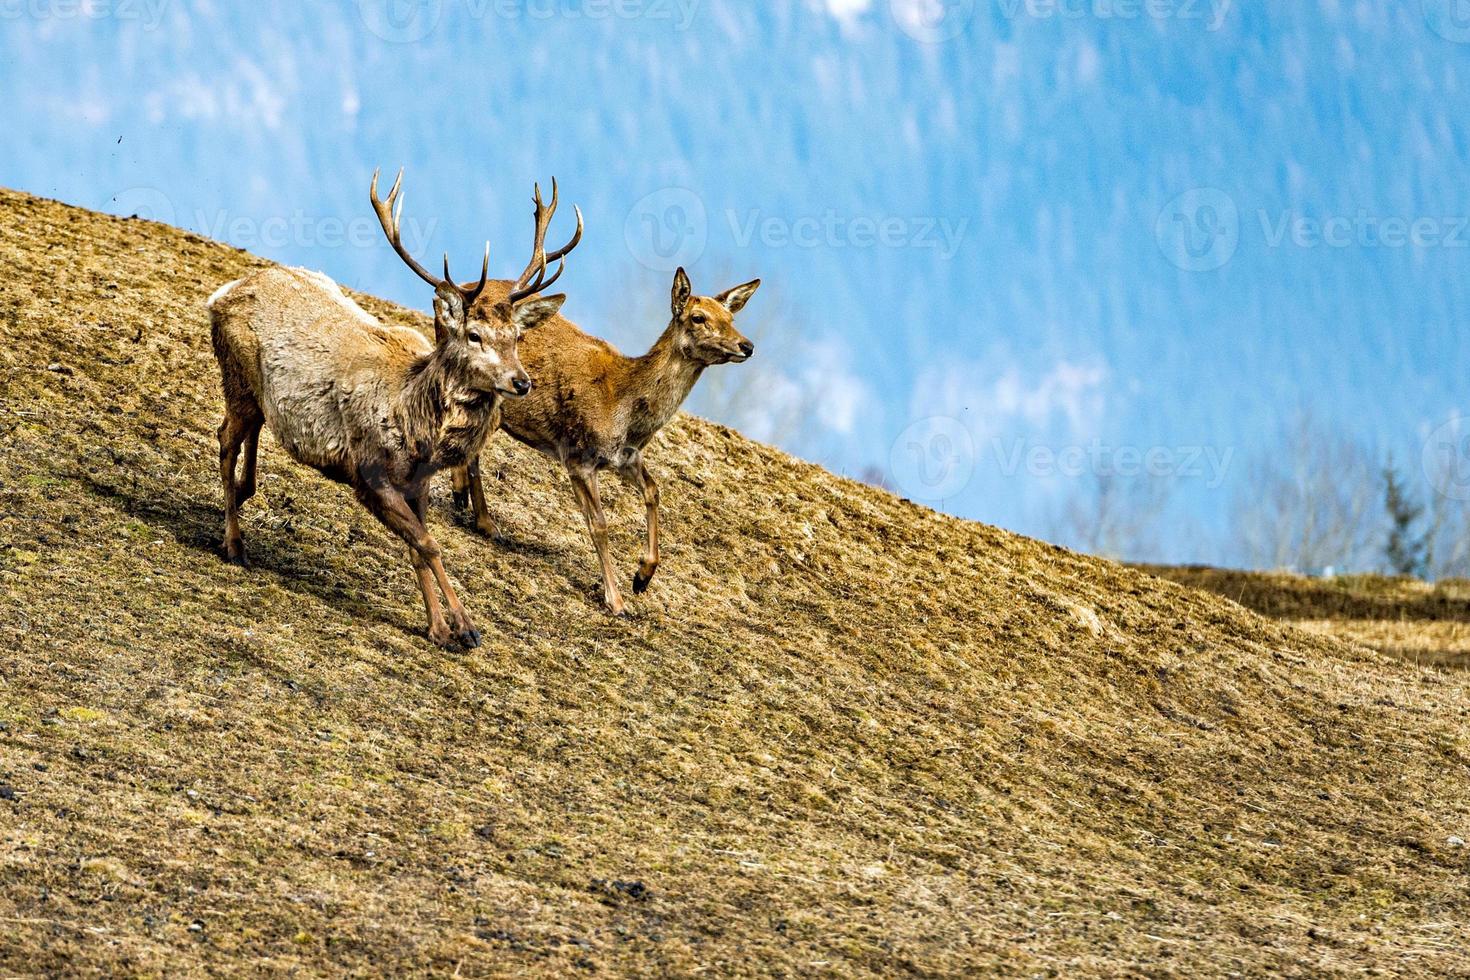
column 1429, row 644
column 1427, row 624
column 840, row 735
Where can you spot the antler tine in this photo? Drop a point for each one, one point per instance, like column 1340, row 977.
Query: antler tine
column 544, row 221
column 546, row 284
column 576, row 236
column 474, row 294
column 523, row 287
column 575, row 239
column 533, row 280
column 542, row 216
column 390, row 220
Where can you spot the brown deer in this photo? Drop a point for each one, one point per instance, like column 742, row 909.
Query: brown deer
column 371, row 405
column 594, row 409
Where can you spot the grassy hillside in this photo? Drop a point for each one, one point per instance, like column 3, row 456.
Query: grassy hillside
column 840, row 734
column 1421, row 622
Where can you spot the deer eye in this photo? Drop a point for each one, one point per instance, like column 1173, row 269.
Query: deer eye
column 474, row 337
column 697, row 318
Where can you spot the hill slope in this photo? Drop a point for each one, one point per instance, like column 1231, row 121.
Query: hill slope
column 1421, row 622
column 840, row 733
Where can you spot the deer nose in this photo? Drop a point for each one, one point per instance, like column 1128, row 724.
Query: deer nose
column 521, row 385
column 747, row 348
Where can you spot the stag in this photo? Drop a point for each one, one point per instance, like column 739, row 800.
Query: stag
column 369, row 404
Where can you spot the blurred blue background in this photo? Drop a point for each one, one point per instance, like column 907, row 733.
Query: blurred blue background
column 1112, row 272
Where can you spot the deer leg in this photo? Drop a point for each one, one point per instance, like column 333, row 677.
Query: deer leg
column 483, row 521
column 584, row 488
column 231, row 434
column 465, row 630
column 438, row 632
column 250, row 450
column 469, row 492
column 636, row 475
column 460, row 478
column 388, row 505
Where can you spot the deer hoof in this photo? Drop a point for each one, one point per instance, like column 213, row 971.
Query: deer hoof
column 235, row 554
column 469, row 637
column 640, row 582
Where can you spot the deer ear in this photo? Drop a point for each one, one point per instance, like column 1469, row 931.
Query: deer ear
column 535, row 311
column 682, row 291
column 735, row 298
column 448, row 313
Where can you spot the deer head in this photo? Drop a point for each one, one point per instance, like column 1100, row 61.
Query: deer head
column 705, row 325
column 479, row 339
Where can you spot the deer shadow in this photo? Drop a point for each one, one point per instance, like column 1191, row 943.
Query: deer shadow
column 569, row 562
column 198, row 526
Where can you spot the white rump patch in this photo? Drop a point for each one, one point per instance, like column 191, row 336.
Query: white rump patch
column 330, row 286
column 219, row 293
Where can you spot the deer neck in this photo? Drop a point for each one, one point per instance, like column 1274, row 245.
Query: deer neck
column 442, row 421
column 661, row 380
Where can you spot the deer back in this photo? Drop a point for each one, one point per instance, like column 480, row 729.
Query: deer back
column 323, row 370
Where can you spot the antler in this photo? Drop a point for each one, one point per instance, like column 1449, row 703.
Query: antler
column 534, row 280
column 390, row 219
